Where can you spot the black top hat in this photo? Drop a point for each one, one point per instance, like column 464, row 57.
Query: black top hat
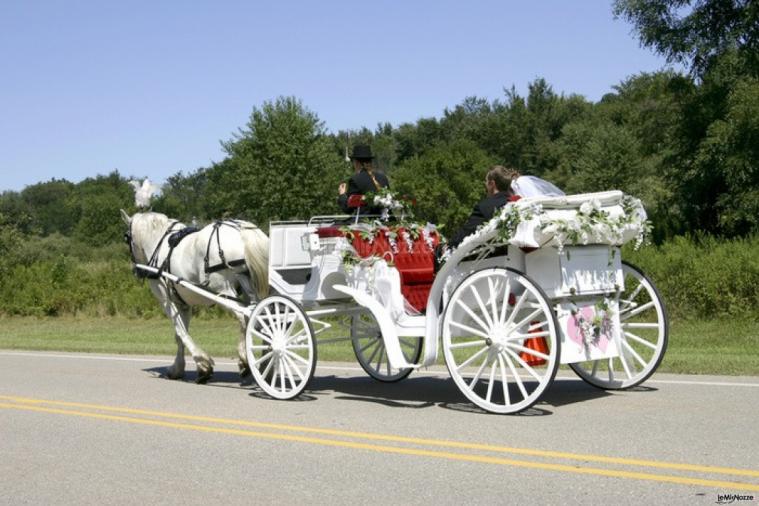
column 362, row 152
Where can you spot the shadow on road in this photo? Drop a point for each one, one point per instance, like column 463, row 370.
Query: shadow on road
column 413, row 393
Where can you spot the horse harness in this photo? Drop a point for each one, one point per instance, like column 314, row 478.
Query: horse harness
column 173, row 238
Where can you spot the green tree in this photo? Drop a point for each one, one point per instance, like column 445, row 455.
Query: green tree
column 50, row 206
column 729, row 154
column 446, row 181
column 281, row 166
column 696, row 32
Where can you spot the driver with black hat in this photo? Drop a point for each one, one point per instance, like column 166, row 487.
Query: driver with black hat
column 364, row 180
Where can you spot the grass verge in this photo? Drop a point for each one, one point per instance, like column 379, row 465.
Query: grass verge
column 695, row 347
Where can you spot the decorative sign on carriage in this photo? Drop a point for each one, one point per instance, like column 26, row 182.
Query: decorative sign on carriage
column 541, row 284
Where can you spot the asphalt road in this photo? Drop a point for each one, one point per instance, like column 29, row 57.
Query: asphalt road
column 86, row 429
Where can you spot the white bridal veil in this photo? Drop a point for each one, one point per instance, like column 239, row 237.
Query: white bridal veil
column 531, row 186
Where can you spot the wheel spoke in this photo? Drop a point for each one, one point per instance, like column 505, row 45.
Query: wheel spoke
column 517, row 307
column 379, row 359
column 374, row 353
column 634, row 353
column 288, row 372
column 636, row 325
column 297, row 337
column 623, row 359
column 372, row 342
column 260, row 335
column 625, row 315
column 532, row 352
column 640, row 340
column 478, row 373
column 611, row 369
column 524, row 365
column 528, row 335
column 259, row 347
column 595, row 368
column 263, row 357
column 294, row 367
column 515, row 374
column 473, row 316
column 481, row 305
column 277, row 318
column 264, row 323
column 505, row 303
column 469, row 329
column 635, row 293
column 493, row 307
column 504, row 381
column 472, row 358
column 267, row 368
column 281, row 375
column 467, row 344
column 491, row 380
column 528, row 317
column 297, row 357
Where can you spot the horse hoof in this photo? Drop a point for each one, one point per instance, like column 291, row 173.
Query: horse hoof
column 203, row 378
column 174, row 375
column 245, row 372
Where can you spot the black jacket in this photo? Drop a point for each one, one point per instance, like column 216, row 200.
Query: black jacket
column 483, row 211
column 361, row 183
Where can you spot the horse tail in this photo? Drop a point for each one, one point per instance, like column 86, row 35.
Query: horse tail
column 256, row 247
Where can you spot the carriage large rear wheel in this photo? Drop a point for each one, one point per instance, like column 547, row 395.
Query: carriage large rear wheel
column 500, row 340
column 645, row 330
column 280, row 346
column 370, row 351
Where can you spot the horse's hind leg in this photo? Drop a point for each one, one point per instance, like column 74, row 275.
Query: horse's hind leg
column 242, row 357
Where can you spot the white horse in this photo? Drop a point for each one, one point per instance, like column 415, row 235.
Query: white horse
column 228, row 258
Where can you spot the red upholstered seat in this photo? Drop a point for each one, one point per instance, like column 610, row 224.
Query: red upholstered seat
column 416, row 267
column 356, row 200
column 327, row 232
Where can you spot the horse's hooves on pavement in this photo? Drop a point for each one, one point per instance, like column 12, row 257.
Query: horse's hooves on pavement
column 202, row 380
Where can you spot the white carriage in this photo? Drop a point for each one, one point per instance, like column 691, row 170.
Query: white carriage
column 541, row 285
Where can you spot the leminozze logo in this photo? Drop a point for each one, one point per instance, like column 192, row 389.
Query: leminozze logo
column 731, row 498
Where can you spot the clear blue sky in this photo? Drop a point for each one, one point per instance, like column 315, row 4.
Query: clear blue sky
column 150, row 88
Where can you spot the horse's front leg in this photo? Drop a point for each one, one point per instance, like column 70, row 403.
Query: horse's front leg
column 176, row 370
column 180, row 317
column 203, row 362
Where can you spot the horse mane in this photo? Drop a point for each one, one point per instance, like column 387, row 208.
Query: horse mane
column 145, row 225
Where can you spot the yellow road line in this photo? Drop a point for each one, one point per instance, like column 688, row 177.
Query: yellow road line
column 397, row 450
column 402, row 439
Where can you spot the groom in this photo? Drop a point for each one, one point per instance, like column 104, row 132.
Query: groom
column 499, row 193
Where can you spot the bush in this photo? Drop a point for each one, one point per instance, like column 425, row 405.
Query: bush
column 703, row 277
column 699, row 277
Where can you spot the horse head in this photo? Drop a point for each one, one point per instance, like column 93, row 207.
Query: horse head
column 144, row 232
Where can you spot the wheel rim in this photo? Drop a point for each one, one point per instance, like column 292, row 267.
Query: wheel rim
column 370, row 351
column 643, row 339
column 280, row 347
column 487, row 322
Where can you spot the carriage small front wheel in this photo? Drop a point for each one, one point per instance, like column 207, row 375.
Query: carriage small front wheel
column 280, row 347
column 370, row 351
column 500, row 339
